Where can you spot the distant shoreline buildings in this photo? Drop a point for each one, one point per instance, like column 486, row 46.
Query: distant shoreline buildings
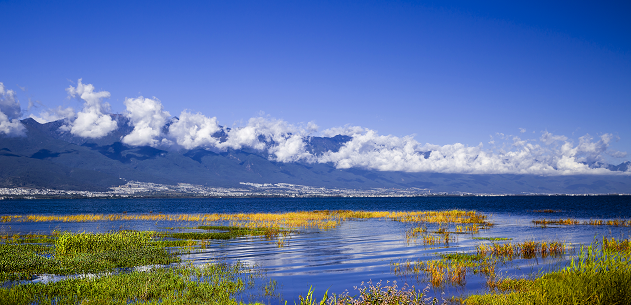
column 136, row 189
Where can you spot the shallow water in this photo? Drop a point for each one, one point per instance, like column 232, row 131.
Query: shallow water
column 358, row 250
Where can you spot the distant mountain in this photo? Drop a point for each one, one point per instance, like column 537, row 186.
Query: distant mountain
column 49, row 158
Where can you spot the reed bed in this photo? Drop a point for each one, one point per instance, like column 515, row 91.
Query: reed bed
column 591, row 222
column 451, row 268
column 306, row 219
column 599, row 275
column 413, row 236
column 611, row 244
column 452, row 216
column 527, row 250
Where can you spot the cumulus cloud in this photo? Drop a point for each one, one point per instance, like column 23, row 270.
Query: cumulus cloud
column 148, row 117
column 10, row 113
column 93, row 121
column 194, row 130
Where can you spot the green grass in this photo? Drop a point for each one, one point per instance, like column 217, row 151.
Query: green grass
column 81, row 253
column 226, row 232
column 76, row 243
column 102, row 255
column 209, row 284
column 594, row 277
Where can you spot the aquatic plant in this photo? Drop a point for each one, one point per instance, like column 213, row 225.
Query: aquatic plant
column 80, row 253
column 451, row 268
column 305, row 219
column 207, row 284
column 452, row 216
column 75, row 243
column 591, row 222
column 611, row 244
column 596, row 276
column 527, row 249
column 370, row 293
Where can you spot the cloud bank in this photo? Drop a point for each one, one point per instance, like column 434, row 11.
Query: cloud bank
column 548, row 154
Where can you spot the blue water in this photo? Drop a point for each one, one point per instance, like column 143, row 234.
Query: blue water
column 357, row 251
column 573, row 206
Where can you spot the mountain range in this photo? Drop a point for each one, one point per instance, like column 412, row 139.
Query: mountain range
column 50, row 158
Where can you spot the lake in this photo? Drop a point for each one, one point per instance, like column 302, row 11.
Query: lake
column 358, row 250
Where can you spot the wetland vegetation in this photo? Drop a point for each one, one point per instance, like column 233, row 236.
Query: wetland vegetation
column 131, row 266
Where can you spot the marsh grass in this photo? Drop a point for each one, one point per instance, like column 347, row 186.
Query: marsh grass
column 229, row 232
column 598, row 275
column 444, row 234
column 76, row 253
column 208, row 284
column 591, row 222
column 452, row 268
column 611, row 244
column 528, row 249
column 326, row 219
column 76, row 243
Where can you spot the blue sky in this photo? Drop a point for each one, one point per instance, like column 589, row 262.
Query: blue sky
column 446, row 71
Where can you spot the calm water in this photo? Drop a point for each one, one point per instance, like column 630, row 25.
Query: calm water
column 356, row 251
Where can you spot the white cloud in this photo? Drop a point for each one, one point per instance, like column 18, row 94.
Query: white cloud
column 148, row 117
column 194, row 130
column 369, row 150
column 549, row 154
column 285, row 142
column 10, row 113
column 346, row 130
column 54, row 114
column 549, row 138
column 93, row 121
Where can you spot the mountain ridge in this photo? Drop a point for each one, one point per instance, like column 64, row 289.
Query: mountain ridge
column 48, row 158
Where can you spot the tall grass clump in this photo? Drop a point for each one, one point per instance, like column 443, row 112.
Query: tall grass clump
column 527, row 249
column 599, row 275
column 72, row 244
